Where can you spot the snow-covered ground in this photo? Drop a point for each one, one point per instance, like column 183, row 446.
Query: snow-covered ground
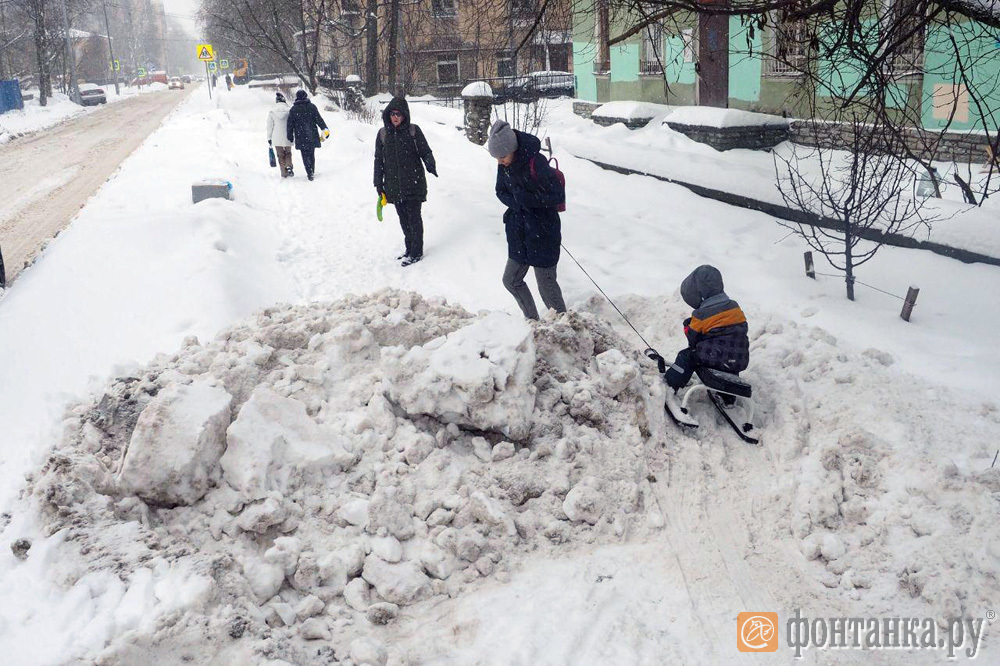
column 34, row 117
column 394, row 477
column 659, row 150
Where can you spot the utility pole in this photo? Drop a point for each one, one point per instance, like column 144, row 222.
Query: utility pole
column 401, row 61
column 71, row 58
column 393, row 44
column 114, row 69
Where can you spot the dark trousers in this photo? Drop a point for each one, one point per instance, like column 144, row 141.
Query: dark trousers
column 413, row 227
column 548, row 288
column 679, row 374
column 309, row 160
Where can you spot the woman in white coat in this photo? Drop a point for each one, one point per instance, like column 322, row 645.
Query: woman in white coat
column 277, row 135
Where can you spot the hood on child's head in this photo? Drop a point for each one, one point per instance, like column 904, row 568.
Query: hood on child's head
column 704, row 282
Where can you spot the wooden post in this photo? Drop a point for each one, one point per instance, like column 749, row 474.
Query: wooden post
column 911, row 300
column 810, row 269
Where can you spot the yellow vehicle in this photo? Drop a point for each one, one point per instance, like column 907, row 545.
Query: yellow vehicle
column 241, row 71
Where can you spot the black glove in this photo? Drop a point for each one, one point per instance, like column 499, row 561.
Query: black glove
column 654, row 356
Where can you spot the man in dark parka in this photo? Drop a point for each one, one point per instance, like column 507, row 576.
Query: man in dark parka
column 530, row 189
column 303, row 121
column 401, row 153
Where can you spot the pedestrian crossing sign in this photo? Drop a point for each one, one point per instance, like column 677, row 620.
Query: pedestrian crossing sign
column 206, row 52
column 223, row 64
column 142, row 72
column 211, row 66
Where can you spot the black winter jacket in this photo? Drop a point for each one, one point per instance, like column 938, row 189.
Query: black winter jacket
column 302, row 122
column 400, row 156
column 717, row 329
column 534, row 233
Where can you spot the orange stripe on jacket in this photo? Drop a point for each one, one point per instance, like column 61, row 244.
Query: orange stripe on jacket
column 724, row 318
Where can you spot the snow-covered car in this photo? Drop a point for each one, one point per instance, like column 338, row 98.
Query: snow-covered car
column 538, row 84
column 92, row 94
column 176, row 83
column 186, row 79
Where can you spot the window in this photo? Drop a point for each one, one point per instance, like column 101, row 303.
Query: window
column 788, row 48
column 505, row 65
column 899, row 19
column 444, row 8
column 523, row 7
column 687, row 36
column 652, row 49
column 447, row 69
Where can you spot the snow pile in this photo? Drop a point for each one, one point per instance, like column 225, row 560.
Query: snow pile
column 883, row 482
column 35, row 117
column 312, row 471
column 477, row 89
column 706, row 116
column 625, row 110
column 478, row 377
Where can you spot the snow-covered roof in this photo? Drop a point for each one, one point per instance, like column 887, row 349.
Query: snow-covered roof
column 477, row 89
column 707, row 116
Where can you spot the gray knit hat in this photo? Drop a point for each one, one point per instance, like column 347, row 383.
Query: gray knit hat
column 502, row 141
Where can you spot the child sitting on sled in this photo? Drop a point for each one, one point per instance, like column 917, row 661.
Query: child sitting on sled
column 716, row 331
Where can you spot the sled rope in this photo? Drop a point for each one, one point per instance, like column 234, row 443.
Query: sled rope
column 648, row 346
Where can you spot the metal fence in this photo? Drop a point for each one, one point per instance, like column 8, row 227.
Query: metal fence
column 650, row 68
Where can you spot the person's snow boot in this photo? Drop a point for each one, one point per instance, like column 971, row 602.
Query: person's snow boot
column 407, row 261
column 289, row 172
column 310, row 176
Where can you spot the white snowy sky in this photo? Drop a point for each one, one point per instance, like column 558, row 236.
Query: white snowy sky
column 180, row 9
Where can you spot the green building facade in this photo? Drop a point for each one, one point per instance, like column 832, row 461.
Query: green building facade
column 660, row 67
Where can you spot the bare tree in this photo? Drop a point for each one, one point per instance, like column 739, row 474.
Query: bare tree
column 866, row 193
column 288, row 30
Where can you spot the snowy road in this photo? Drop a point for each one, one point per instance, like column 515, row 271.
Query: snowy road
column 48, row 177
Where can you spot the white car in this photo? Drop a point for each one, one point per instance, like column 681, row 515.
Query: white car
column 92, row 94
column 176, row 84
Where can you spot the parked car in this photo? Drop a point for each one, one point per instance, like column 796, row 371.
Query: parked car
column 535, row 85
column 176, row 83
column 92, row 94
column 186, row 79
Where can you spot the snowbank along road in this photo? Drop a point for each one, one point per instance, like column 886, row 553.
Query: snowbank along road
column 48, row 177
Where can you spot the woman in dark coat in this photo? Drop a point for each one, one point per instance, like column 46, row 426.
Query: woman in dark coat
column 303, row 121
column 401, row 152
column 528, row 186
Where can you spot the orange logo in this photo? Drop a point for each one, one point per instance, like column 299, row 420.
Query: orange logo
column 757, row 632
